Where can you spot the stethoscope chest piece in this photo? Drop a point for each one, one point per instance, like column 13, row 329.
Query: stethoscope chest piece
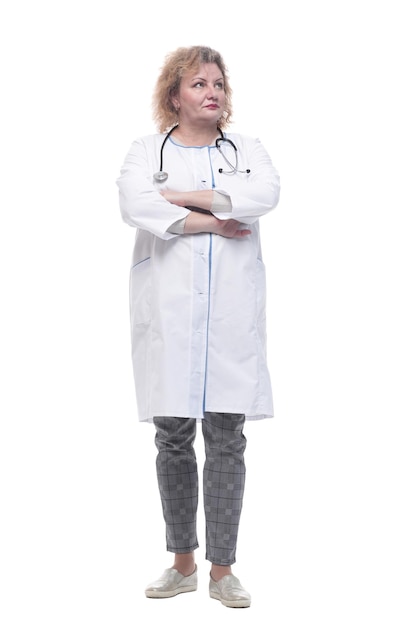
column 160, row 176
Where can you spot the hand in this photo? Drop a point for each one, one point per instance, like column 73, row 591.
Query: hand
column 230, row 228
column 175, row 197
column 208, row 223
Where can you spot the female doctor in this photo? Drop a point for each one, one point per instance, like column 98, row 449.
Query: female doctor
column 197, row 292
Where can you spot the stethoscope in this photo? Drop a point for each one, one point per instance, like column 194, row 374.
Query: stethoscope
column 162, row 176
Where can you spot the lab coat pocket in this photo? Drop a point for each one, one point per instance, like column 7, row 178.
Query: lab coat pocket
column 140, row 292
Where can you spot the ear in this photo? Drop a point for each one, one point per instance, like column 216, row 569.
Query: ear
column 175, row 103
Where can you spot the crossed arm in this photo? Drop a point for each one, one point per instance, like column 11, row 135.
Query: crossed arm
column 204, row 222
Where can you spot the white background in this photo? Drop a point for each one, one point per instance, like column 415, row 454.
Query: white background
column 328, row 534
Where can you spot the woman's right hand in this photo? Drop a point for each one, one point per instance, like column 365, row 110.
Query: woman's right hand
column 230, row 228
column 208, row 223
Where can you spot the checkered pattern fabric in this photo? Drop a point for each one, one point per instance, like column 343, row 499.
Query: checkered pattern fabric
column 223, row 482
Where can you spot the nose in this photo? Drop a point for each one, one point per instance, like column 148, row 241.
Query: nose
column 211, row 93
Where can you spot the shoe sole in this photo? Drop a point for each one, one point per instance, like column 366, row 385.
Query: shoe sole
column 171, row 593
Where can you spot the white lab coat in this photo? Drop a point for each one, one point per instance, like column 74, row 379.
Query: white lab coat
column 198, row 301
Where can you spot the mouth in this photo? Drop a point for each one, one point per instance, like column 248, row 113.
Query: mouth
column 212, row 106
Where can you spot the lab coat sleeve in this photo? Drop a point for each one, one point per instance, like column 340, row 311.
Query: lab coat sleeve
column 141, row 205
column 255, row 194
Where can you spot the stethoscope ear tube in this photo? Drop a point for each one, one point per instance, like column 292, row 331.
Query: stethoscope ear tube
column 233, row 169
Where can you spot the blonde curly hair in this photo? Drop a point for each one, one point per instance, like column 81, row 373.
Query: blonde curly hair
column 176, row 64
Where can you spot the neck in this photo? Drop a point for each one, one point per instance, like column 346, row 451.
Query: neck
column 190, row 136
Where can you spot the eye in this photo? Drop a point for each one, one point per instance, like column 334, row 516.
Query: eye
column 219, row 85
column 198, row 84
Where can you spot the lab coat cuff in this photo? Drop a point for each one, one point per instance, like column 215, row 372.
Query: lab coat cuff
column 221, row 202
column 178, row 227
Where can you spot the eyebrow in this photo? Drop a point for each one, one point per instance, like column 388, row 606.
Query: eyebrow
column 205, row 79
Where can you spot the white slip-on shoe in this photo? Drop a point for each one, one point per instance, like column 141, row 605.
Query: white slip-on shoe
column 171, row 583
column 230, row 592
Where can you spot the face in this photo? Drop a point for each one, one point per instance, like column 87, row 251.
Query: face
column 201, row 96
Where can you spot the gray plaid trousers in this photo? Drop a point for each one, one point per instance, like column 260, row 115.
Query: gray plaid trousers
column 223, row 482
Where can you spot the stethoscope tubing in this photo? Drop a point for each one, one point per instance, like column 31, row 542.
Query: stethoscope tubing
column 162, row 176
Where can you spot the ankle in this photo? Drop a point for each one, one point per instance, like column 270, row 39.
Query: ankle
column 184, row 563
column 219, row 571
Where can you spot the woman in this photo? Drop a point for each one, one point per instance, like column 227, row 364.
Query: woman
column 197, row 296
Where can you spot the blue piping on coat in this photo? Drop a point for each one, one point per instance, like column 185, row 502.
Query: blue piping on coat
column 207, row 319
